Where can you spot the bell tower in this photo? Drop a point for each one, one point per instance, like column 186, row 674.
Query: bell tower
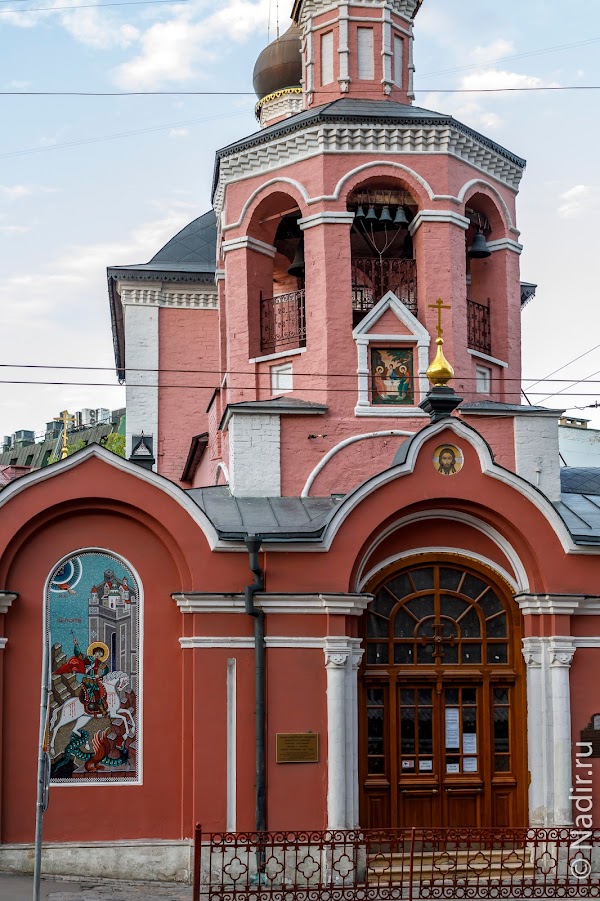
column 358, row 50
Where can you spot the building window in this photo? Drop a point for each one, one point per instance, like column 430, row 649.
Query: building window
column 327, row 58
column 282, row 378
column 398, row 47
column 483, row 380
column 366, row 64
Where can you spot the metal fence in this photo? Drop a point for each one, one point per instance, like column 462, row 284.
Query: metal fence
column 388, row 864
column 282, row 322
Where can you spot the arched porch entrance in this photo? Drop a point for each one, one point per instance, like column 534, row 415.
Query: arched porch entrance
column 442, row 701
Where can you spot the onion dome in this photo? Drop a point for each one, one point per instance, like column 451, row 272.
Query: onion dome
column 279, row 65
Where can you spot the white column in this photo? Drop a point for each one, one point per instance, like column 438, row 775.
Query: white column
column 338, row 655
column 140, row 316
column 549, row 729
column 538, row 735
column 561, row 651
column 352, row 761
column 362, row 346
column 343, row 48
column 231, row 744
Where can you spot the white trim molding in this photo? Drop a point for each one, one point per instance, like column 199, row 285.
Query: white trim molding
column 549, row 729
column 558, row 604
column 247, row 641
column 486, row 357
column 331, row 604
column 6, row 600
column 279, row 355
column 3, row 642
column 202, row 297
column 331, row 218
column 445, row 216
column 247, row 242
column 505, row 244
column 364, row 138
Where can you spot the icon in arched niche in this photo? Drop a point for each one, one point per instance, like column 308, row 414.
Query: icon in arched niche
column 448, row 459
column 93, row 618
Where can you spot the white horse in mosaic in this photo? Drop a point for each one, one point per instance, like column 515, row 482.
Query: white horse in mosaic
column 73, row 710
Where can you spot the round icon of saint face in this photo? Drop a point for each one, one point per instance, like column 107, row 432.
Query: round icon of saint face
column 448, row 459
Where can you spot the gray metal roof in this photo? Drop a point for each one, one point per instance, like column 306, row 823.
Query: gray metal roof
column 496, row 408
column 347, row 109
column 193, row 245
column 278, row 518
column 581, row 513
column 580, row 480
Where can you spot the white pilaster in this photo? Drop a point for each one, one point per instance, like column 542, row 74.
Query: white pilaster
column 561, row 651
column 343, row 48
column 342, row 658
column 549, row 729
column 141, row 362
column 255, row 455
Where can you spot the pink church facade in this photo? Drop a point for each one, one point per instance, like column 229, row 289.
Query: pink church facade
column 419, row 576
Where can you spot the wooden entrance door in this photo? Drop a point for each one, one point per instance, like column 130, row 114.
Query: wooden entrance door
column 443, row 705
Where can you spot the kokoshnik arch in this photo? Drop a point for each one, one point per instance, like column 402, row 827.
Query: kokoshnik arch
column 427, row 577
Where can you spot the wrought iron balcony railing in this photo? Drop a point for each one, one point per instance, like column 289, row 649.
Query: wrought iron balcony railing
column 479, row 336
column 282, row 322
column 372, row 278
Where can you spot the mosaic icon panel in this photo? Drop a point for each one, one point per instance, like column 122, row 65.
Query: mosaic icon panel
column 93, row 619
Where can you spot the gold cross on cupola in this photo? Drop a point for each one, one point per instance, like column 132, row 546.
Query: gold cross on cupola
column 65, row 419
column 440, row 371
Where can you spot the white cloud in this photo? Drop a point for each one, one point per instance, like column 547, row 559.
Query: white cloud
column 101, row 30
column 16, row 192
column 489, row 53
column 173, row 50
column 494, row 79
column 178, row 132
column 13, row 229
column 579, row 200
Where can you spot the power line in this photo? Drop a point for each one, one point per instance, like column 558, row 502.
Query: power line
column 223, row 372
column 503, row 59
column 122, row 134
column 51, row 9
column 564, row 366
column 212, row 387
column 536, row 88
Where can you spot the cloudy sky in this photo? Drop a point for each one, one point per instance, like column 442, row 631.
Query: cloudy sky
column 87, row 182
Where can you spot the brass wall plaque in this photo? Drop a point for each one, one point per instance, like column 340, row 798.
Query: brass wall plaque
column 297, row 747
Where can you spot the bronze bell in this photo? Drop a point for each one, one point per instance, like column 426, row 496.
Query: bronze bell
column 297, row 268
column 479, row 249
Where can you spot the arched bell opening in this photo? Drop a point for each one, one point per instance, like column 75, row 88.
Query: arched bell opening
column 381, row 245
column 281, row 290
column 442, row 699
column 486, row 225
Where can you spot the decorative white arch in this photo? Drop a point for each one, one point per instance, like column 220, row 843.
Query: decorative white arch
column 283, row 180
column 169, row 488
column 376, row 163
column 488, row 467
column 387, row 433
column 486, row 184
column 517, row 581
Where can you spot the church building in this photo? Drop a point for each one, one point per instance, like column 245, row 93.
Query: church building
column 337, row 582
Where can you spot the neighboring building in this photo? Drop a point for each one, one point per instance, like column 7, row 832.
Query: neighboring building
column 91, row 427
column 428, row 594
column 579, row 446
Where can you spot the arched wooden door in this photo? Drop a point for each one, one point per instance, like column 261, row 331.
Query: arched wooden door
column 443, row 703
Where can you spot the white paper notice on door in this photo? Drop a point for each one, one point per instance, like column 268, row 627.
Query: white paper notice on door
column 469, row 743
column 425, row 766
column 469, row 764
column 452, row 727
